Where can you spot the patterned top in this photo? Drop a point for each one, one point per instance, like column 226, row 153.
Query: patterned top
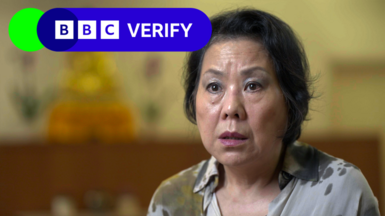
column 312, row 183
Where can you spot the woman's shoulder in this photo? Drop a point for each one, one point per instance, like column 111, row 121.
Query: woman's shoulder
column 184, row 177
column 176, row 193
column 339, row 170
column 310, row 164
column 343, row 182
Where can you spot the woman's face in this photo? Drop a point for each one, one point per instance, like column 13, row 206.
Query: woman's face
column 240, row 108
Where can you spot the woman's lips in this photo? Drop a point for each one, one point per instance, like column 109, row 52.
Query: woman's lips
column 232, row 138
column 232, row 142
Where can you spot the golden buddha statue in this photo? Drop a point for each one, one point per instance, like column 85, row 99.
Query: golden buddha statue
column 89, row 109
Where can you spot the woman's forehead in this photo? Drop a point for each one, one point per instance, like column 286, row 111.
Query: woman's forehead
column 236, row 53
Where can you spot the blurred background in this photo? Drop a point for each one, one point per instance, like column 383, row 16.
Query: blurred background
column 96, row 133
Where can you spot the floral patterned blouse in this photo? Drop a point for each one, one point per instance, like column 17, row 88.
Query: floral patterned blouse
column 312, row 183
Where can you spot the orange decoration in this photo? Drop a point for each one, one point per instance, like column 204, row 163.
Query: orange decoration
column 90, row 111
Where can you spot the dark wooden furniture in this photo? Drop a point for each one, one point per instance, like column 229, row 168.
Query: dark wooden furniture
column 30, row 175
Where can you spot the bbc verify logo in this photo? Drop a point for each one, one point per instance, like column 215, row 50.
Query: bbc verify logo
column 124, row 29
column 64, row 29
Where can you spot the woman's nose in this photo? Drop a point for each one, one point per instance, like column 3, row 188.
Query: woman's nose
column 233, row 107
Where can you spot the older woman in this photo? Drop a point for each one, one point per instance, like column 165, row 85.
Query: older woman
column 247, row 91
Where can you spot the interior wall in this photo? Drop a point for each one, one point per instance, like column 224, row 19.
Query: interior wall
column 358, row 101
column 330, row 30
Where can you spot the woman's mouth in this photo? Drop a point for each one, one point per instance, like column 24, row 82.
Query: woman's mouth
column 232, row 138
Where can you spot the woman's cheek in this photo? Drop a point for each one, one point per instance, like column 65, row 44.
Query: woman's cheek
column 267, row 121
column 207, row 118
column 258, row 116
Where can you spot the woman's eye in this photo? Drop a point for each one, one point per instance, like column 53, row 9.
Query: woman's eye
column 253, row 86
column 213, row 87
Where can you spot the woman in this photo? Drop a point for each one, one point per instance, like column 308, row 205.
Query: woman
column 247, row 91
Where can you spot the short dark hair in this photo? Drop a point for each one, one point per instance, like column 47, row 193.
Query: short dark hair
column 285, row 51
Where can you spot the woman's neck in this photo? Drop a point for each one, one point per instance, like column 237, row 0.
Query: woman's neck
column 251, row 178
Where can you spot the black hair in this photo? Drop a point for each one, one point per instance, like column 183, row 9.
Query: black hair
column 285, row 51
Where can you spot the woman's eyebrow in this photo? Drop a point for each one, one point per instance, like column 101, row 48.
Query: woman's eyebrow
column 246, row 72
column 251, row 71
column 214, row 72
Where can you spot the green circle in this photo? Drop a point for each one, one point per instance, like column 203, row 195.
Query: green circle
column 22, row 29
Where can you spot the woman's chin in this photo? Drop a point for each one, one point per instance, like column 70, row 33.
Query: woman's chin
column 233, row 159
